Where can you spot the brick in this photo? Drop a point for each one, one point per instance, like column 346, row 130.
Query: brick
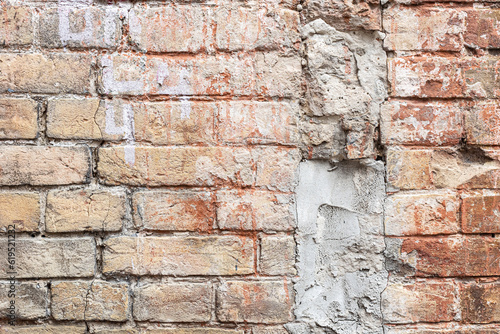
column 45, row 258
column 31, row 299
column 277, row 255
column 409, row 169
column 427, row 213
column 175, row 123
column 452, row 256
column 79, row 27
column 255, row 210
column 344, row 15
column 44, row 329
column 450, row 329
column 201, row 75
column 254, row 302
column 172, row 28
column 174, row 210
column 90, row 300
column 204, row 330
column 191, row 166
column 276, row 168
column 249, row 122
column 37, row 165
column 239, row 28
column 173, row 302
column 482, row 28
column 443, row 77
column 85, row 210
column 269, row 330
column 180, row 256
column 482, row 123
column 51, row 73
column 18, row 118
column 16, row 25
column 425, row 29
column 421, row 123
column 21, row 209
column 480, row 303
column 480, row 212
column 423, row 301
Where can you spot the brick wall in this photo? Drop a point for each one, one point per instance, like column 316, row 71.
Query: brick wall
column 149, row 154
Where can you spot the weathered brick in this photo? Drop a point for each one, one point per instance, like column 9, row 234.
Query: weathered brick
column 16, row 25
column 255, row 302
column 482, row 123
column 201, row 75
column 480, row 212
column 409, row 169
column 192, row 166
column 21, row 209
column 444, row 77
column 44, row 329
column 277, row 255
column 252, row 122
column 421, row 123
column 173, row 302
column 427, row 29
column 276, row 168
column 482, row 28
column 240, row 28
column 480, row 303
column 345, row 15
column 269, row 330
column 31, row 299
column 452, row 328
column 174, row 210
column 85, row 210
column 71, row 26
column 427, row 213
column 18, row 118
column 204, row 330
column 51, row 73
column 422, row 301
column 90, row 300
column 39, row 165
column 452, row 256
column 181, row 256
column 50, row 258
column 255, row 210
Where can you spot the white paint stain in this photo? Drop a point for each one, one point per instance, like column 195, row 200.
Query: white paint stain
column 65, row 32
column 116, row 87
column 185, row 108
column 127, row 129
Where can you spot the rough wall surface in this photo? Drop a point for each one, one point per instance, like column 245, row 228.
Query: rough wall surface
column 249, row 167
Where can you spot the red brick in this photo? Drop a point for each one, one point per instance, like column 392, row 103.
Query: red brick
column 480, row 212
column 444, row 77
column 426, row 213
column 180, row 256
column 255, row 302
column 480, row 303
column 422, row 301
column 249, row 122
column 421, row 123
column 452, row 256
column 426, row 29
column 174, row 210
column 482, row 123
column 482, row 28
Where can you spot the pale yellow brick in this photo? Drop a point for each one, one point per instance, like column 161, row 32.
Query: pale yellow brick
column 46, row 258
column 51, row 73
column 44, row 329
column 85, row 210
column 182, row 256
column 173, row 302
column 44, row 165
column 276, row 168
column 277, row 255
column 18, row 118
column 90, row 300
column 31, row 299
column 16, row 25
column 21, row 209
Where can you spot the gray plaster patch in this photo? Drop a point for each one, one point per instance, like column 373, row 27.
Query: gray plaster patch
column 341, row 271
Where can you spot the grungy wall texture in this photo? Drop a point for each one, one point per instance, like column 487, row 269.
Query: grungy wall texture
column 249, row 167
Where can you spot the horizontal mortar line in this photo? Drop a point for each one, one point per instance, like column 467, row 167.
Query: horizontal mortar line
column 140, row 233
column 441, row 99
column 442, row 235
column 440, row 5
